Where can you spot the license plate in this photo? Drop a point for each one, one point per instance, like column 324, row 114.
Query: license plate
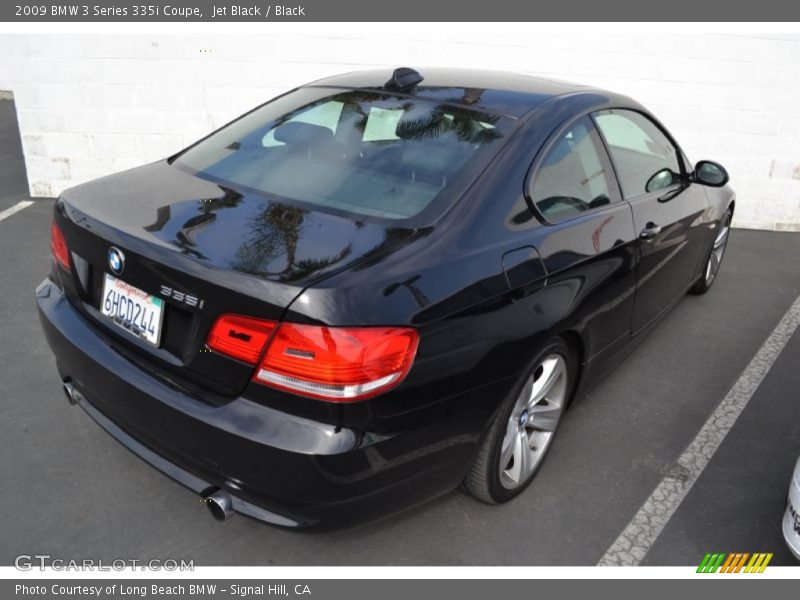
column 134, row 310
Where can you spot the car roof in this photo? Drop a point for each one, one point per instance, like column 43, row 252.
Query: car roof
column 510, row 94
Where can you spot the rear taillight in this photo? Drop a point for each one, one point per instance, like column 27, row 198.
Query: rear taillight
column 341, row 364
column 58, row 247
column 241, row 337
column 338, row 364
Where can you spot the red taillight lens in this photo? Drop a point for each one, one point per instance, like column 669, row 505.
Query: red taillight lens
column 240, row 337
column 339, row 364
column 58, row 247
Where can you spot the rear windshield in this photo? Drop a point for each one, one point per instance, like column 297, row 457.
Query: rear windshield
column 364, row 153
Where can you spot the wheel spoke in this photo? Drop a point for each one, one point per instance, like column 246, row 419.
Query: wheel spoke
column 711, row 267
column 722, row 238
column 525, row 396
column 717, row 254
column 544, row 417
column 522, row 457
column 507, row 450
column 552, row 371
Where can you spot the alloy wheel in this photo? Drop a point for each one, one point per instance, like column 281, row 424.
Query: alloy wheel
column 718, row 250
column 533, row 421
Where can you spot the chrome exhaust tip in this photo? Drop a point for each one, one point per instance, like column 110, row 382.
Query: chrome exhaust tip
column 219, row 505
column 70, row 392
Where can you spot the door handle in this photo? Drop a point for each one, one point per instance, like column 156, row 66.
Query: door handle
column 650, row 231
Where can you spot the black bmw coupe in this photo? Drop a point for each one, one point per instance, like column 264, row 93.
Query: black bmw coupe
column 376, row 287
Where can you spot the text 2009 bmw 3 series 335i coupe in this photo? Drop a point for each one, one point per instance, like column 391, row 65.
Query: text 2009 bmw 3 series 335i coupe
column 376, row 287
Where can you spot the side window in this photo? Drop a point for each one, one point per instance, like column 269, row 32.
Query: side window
column 644, row 158
column 572, row 177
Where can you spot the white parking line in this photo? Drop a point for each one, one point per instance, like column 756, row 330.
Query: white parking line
column 15, row 209
column 643, row 530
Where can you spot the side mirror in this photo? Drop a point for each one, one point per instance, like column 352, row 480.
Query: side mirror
column 707, row 172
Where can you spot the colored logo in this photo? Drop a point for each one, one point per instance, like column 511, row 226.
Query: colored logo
column 736, row 562
column 116, row 260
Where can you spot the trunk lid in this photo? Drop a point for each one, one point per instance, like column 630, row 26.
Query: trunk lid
column 203, row 249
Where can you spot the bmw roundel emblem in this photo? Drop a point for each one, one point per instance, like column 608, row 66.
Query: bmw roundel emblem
column 116, row 260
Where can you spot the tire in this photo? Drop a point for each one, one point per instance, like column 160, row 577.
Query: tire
column 493, row 483
column 715, row 256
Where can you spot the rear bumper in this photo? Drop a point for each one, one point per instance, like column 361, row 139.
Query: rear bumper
column 174, row 471
column 277, row 467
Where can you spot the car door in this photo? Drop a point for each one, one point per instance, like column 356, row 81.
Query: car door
column 667, row 209
column 588, row 243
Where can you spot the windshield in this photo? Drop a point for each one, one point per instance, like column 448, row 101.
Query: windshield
column 364, row 153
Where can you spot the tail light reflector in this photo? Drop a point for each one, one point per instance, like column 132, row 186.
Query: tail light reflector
column 240, row 337
column 58, row 246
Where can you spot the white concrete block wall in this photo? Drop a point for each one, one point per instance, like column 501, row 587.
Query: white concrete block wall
column 90, row 105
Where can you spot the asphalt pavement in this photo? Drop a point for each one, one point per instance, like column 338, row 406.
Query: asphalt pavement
column 69, row 490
